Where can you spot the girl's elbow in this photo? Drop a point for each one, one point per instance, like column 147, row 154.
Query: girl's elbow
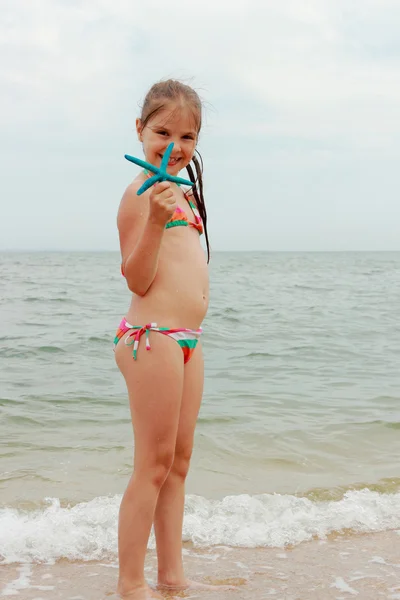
column 136, row 288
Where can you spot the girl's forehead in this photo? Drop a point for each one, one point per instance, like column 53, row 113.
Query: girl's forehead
column 175, row 116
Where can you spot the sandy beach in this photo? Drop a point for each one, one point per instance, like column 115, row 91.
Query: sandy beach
column 340, row 567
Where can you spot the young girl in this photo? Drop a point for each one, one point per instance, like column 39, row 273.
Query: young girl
column 158, row 348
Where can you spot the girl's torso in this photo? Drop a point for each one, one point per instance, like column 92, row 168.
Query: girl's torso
column 178, row 296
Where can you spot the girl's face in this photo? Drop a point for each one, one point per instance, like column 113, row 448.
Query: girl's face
column 174, row 123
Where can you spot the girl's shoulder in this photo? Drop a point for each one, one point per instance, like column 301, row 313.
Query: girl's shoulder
column 131, row 205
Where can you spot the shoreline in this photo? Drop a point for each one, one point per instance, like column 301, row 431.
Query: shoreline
column 342, row 566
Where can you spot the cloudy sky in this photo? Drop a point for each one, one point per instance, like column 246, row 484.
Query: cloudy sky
column 302, row 130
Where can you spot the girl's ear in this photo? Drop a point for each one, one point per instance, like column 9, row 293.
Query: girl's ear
column 139, row 130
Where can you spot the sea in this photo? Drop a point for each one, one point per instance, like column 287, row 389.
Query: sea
column 297, row 447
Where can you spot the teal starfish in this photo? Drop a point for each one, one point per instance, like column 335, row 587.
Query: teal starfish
column 160, row 173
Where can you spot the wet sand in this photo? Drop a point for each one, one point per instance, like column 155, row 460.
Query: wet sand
column 341, row 567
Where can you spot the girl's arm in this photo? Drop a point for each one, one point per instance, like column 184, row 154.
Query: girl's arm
column 141, row 228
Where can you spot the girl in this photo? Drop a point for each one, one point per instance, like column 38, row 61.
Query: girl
column 166, row 270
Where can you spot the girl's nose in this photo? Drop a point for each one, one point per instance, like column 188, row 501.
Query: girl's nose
column 177, row 147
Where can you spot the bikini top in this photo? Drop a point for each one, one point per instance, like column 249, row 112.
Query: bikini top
column 179, row 218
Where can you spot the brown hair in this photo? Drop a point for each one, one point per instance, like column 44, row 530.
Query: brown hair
column 159, row 95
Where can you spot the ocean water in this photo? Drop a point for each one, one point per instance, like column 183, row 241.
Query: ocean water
column 299, row 431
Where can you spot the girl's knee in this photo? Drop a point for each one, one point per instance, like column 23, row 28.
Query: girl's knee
column 181, row 464
column 156, row 467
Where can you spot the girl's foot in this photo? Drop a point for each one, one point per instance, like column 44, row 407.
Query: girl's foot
column 193, row 585
column 141, row 593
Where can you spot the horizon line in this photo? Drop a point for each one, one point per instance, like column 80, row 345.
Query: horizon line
column 81, row 251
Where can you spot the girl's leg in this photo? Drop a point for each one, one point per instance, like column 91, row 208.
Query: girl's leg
column 171, row 500
column 155, row 385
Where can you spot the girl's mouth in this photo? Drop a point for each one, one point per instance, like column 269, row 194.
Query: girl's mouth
column 172, row 161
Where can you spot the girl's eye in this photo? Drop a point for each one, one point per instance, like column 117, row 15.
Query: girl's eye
column 188, row 137
column 162, row 132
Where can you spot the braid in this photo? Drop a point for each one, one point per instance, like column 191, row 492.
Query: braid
column 198, row 194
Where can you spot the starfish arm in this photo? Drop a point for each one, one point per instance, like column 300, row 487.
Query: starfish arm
column 147, row 184
column 142, row 163
column 165, row 158
column 180, row 180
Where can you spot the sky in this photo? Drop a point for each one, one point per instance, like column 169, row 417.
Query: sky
column 301, row 132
